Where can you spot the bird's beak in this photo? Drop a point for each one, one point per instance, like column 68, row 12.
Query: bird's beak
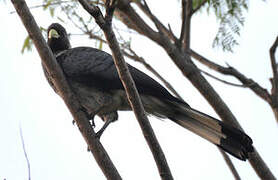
column 53, row 34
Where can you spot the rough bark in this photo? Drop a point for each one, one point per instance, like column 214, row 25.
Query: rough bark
column 129, row 85
column 49, row 61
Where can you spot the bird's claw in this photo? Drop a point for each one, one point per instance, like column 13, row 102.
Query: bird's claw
column 99, row 133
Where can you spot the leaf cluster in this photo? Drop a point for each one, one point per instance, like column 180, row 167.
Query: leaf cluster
column 230, row 14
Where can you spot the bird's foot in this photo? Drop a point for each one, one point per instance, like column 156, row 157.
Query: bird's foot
column 108, row 118
column 100, row 132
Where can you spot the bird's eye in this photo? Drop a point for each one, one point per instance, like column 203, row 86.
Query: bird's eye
column 53, row 34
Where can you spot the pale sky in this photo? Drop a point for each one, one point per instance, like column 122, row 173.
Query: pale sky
column 55, row 147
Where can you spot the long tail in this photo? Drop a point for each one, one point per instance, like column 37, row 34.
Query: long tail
column 230, row 139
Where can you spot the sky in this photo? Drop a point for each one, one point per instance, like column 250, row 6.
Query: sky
column 56, row 149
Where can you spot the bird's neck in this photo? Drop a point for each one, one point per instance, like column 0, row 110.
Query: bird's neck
column 58, row 46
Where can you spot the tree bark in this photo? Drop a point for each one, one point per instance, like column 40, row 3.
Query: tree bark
column 50, row 63
column 129, row 85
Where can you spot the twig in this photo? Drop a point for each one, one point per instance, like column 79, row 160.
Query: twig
column 184, row 41
column 44, row 5
column 230, row 164
column 274, row 80
column 221, row 80
column 60, row 83
column 25, row 153
column 130, row 89
column 255, row 87
column 182, row 34
column 161, row 28
column 274, row 63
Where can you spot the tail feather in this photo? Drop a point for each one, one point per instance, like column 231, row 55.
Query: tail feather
column 230, row 139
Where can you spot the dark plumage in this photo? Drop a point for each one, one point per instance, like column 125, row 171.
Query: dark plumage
column 93, row 77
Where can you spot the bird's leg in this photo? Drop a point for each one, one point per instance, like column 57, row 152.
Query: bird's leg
column 100, row 132
column 108, row 118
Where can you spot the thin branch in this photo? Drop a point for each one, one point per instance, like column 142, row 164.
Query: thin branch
column 45, row 5
column 230, row 164
column 161, row 28
column 274, row 65
column 25, row 153
column 171, row 34
column 132, row 93
column 128, row 16
column 255, row 87
column 272, row 57
column 221, row 80
column 182, row 34
column 184, row 41
column 110, row 8
column 60, row 83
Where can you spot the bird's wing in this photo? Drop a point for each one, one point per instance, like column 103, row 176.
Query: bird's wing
column 93, row 67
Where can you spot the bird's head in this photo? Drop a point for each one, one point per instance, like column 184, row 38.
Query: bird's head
column 57, row 38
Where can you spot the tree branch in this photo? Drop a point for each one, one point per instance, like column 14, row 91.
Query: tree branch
column 230, row 165
column 128, row 16
column 25, row 153
column 184, row 41
column 223, row 81
column 145, row 8
column 131, row 90
column 49, row 62
column 189, row 69
column 255, row 87
column 274, row 80
column 273, row 59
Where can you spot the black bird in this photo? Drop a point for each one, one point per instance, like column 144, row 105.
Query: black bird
column 93, row 77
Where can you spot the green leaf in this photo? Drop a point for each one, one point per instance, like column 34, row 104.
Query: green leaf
column 27, row 44
column 197, row 3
